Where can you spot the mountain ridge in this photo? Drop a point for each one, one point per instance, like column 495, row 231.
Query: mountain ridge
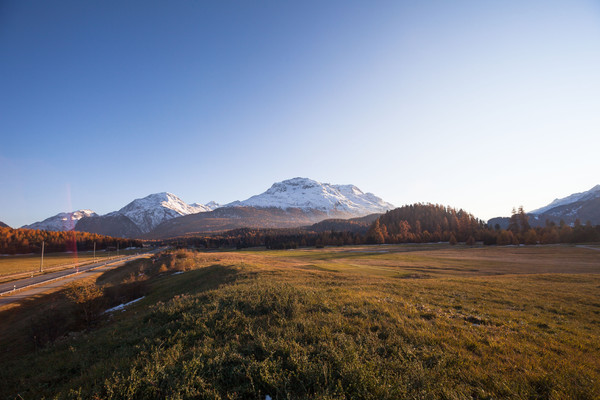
column 308, row 194
column 583, row 206
column 65, row 221
column 573, row 198
column 141, row 215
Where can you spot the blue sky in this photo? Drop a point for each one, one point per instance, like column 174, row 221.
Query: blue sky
column 477, row 105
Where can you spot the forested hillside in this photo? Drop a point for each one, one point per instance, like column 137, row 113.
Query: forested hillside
column 426, row 223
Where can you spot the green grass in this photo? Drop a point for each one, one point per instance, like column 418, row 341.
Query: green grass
column 31, row 262
column 432, row 323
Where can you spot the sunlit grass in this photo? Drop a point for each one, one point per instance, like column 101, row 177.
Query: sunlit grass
column 433, row 323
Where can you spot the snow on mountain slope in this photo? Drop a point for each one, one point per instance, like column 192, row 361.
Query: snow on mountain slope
column 61, row 221
column 590, row 194
column 150, row 211
column 307, row 194
column 213, row 205
column 210, row 206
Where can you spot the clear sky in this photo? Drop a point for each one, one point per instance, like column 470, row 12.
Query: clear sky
column 477, row 105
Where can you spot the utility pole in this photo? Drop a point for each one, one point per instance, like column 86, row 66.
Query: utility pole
column 94, row 251
column 117, row 249
column 42, row 259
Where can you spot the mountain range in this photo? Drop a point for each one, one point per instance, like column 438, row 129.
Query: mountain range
column 584, row 206
column 290, row 203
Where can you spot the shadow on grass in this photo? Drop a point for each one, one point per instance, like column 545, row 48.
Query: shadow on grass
column 32, row 323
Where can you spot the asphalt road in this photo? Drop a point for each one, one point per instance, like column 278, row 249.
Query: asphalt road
column 24, row 288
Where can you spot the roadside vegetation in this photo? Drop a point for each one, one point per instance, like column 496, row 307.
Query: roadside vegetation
column 370, row 322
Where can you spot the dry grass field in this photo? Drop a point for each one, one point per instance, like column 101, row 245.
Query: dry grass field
column 370, row 322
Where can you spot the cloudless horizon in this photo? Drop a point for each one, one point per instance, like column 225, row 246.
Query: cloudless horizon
column 476, row 105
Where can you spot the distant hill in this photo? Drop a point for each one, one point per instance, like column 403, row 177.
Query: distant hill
column 502, row 222
column 109, row 225
column 3, row 225
column 355, row 225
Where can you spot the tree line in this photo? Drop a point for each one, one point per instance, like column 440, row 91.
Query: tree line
column 23, row 241
column 417, row 223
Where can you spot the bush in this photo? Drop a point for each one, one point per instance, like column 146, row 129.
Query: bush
column 88, row 298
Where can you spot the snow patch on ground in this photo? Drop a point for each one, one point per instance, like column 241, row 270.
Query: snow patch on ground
column 121, row 307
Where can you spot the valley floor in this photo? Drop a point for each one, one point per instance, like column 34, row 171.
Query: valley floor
column 372, row 322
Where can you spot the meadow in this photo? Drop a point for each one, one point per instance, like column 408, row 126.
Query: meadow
column 368, row 322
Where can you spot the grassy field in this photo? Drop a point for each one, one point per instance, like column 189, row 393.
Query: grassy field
column 370, row 322
column 31, row 262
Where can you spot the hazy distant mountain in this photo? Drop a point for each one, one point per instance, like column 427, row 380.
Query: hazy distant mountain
column 115, row 225
column 309, row 195
column 292, row 203
column 355, row 225
column 210, row 206
column 3, row 225
column 502, row 222
column 591, row 194
column 62, row 221
column 583, row 206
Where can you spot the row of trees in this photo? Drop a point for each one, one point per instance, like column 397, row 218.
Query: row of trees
column 519, row 231
column 418, row 223
column 21, row 241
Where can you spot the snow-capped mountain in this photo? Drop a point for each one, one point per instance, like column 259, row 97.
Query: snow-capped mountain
column 150, row 211
column 289, row 204
column 3, row 225
column 574, row 198
column 210, row 206
column 584, row 206
column 307, row 194
column 213, row 205
column 62, row 221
